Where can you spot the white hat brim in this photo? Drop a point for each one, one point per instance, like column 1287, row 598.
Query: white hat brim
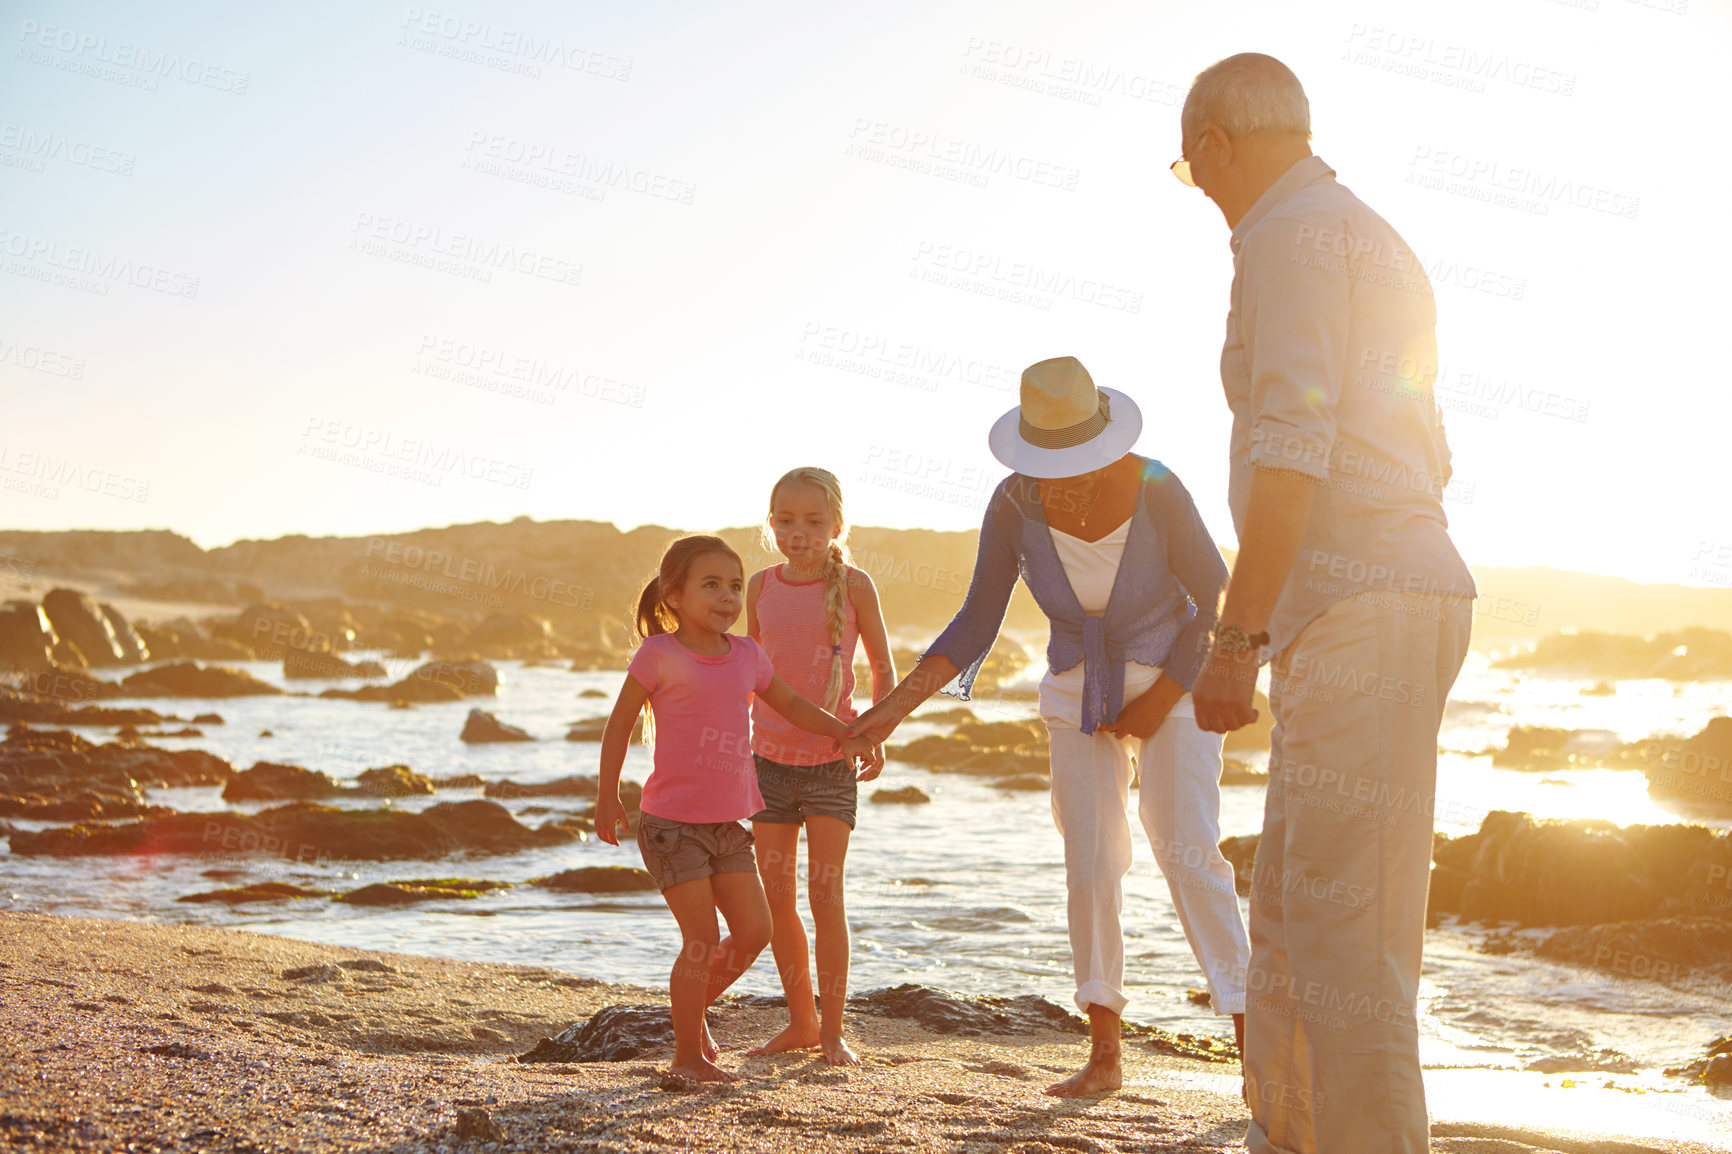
column 1097, row 452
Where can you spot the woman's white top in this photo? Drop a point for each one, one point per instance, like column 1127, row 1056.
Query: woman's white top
column 1092, row 567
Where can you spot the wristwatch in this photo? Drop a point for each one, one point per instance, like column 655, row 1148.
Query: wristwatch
column 1232, row 640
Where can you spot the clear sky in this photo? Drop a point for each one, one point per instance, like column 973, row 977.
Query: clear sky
column 348, row 268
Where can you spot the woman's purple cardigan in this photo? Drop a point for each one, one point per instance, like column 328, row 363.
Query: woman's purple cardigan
column 1162, row 610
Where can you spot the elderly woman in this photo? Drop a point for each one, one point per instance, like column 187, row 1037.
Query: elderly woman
column 1115, row 554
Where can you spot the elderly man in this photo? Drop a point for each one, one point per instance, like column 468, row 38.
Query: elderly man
column 1346, row 580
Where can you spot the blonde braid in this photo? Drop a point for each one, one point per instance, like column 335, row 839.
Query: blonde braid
column 836, row 601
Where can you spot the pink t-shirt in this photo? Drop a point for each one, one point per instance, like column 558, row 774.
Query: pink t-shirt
column 794, row 629
column 703, row 752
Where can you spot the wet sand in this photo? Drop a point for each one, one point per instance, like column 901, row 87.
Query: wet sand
column 123, row 1035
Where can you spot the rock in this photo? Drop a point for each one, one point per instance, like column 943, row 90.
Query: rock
column 1543, row 748
column 614, row 1034
column 512, row 635
column 26, row 638
column 1718, row 1072
column 299, row 663
column 269, row 781
column 393, row 781
column 481, row 727
column 50, row 711
column 591, row 729
column 474, row 1125
column 1236, row 772
column 188, row 679
column 269, row 630
column 257, row 892
column 435, row 681
column 1562, row 873
column 333, row 626
column 56, row 775
column 302, row 832
column 469, row 678
column 66, row 655
column 1684, row 655
column 630, row 796
column 1025, row 783
column 600, row 880
column 945, row 1013
column 1241, row 852
column 592, row 693
column 459, row 781
column 907, row 795
column 576, row 785
column 1028, row 735
column 400, row 894
column 208, row 719
column 1659, row 949
column 401, row 693
column 182, row 639
column 79, row 620
column 79, row 805
column 1696, row 770
column 133, row 650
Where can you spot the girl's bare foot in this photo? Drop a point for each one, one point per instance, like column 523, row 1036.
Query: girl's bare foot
column 1101, row 1075
column 708, row 1046
column 838, row 1053
column 795, row 1037
column 701, row 1069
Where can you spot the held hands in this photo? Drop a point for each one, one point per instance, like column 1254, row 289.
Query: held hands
column 868, row 754
column 876, row 724
column 610, row 818
column 1224, row 691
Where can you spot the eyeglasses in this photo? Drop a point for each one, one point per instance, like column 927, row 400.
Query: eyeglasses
column 1182, row 166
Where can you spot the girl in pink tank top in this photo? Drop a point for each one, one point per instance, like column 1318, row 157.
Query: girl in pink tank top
column 808, row 614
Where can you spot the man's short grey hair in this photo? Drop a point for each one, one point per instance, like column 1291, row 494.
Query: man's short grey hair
column 1246, row 93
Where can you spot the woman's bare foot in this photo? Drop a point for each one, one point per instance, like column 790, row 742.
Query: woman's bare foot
column 1101, row 1075
column 701, row 1069
column 795, row 1037
column 707, row 1045
column 838, row 1053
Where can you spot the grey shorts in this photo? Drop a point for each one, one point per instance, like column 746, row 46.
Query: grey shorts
column 793, row 793
column 683, row 851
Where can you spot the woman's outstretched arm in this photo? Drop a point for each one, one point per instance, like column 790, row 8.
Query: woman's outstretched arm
column 933, row 673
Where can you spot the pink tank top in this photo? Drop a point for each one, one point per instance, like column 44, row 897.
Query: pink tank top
column 794, row 629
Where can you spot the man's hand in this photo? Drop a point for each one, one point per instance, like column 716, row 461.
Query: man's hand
column 1224, row 691
column 610, row 819
column 1142, row 717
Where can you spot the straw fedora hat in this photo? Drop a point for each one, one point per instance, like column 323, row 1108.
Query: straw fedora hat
column 1065, row 426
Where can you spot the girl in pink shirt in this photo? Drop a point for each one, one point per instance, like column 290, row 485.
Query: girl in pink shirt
column 808, row 613
column 698, row 681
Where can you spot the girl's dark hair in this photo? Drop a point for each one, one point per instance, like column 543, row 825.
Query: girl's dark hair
column 654, row 615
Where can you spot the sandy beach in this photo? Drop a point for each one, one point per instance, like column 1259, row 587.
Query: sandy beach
column 121, row 1035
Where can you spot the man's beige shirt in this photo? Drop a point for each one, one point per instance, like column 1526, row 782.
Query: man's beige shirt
column 1329, row 367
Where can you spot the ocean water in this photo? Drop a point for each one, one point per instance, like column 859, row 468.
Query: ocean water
column 966, row 893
